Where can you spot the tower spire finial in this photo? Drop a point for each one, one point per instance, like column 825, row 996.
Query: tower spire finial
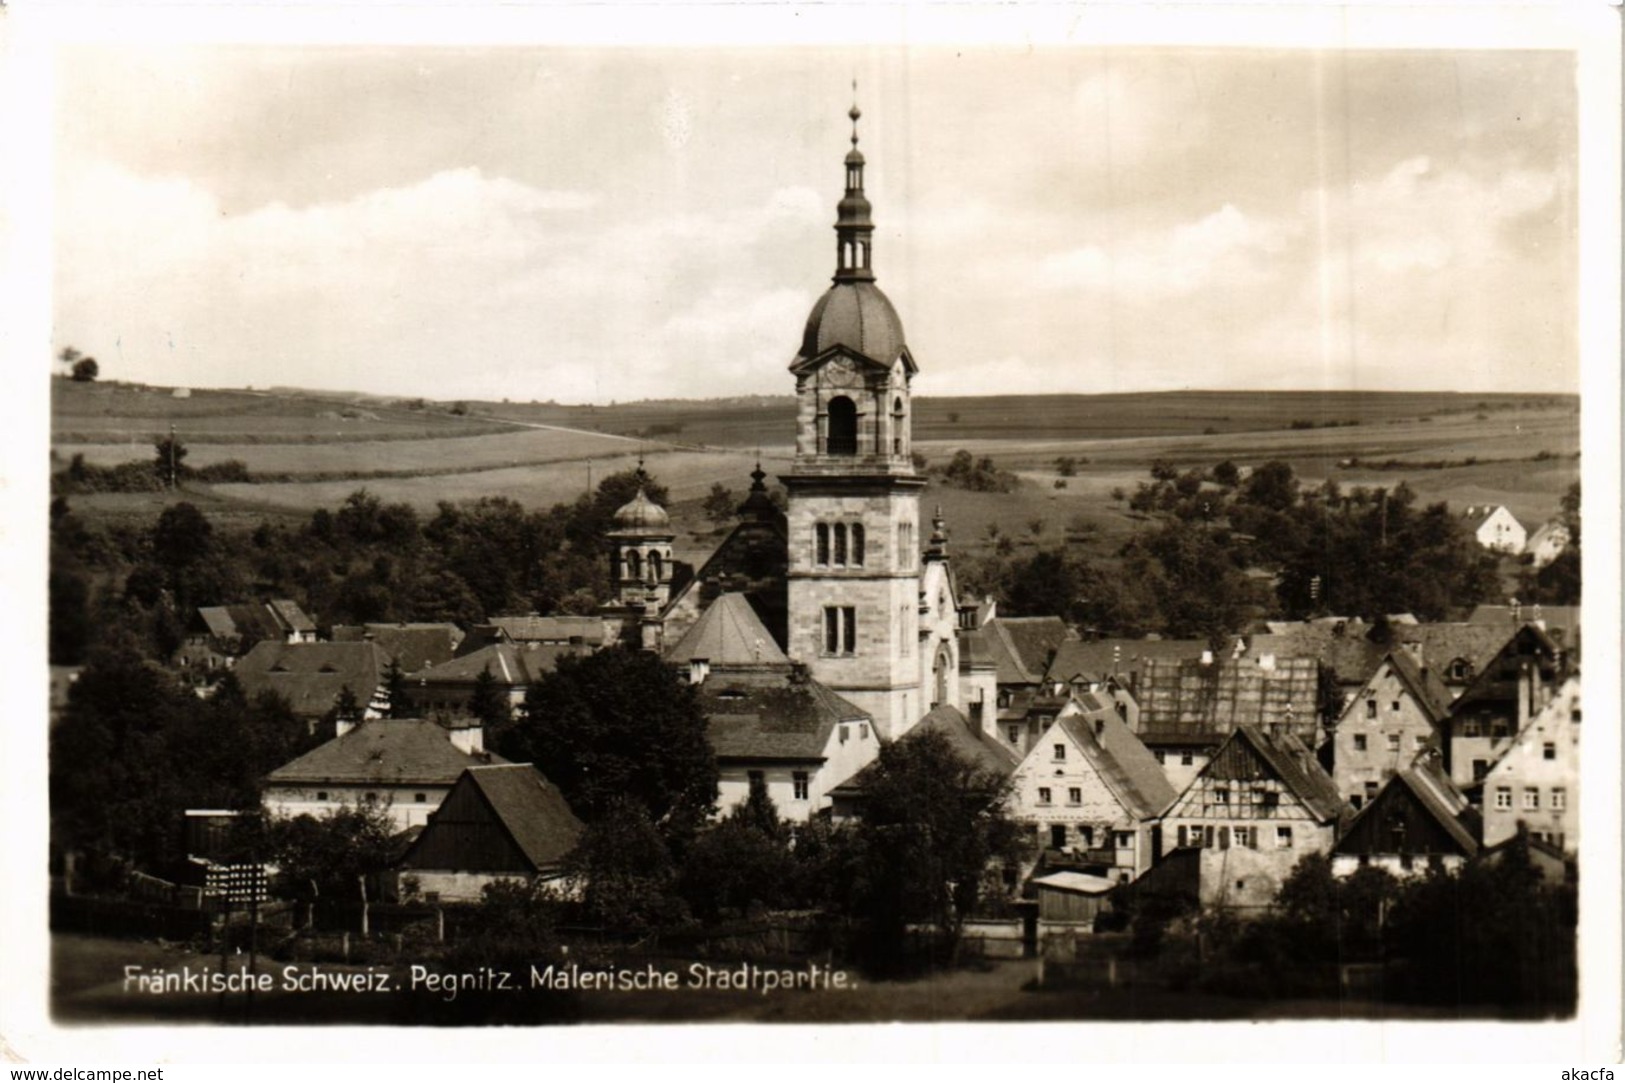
column 853, row 229
column 854, row 112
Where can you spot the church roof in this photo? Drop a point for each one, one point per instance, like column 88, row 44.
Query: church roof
column 859, row 317
column 642, row 515
column 728, row 633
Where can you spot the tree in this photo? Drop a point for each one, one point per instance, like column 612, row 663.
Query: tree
column 720, row 503
column 627, row 877
column 741, row 864
column 169, row 460
column 1226, row 474
column 332, row 856
column 395, row 689
column 489, row 701
column 619, row 723
column 933, row 825
column 85, row 370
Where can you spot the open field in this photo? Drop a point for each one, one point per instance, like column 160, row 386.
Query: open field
column 425, row 456
column 111, row 413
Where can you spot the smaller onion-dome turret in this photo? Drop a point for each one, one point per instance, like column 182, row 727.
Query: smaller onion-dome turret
column 641, row 515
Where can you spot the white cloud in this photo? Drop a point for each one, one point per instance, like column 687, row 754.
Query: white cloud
column 1224, row 246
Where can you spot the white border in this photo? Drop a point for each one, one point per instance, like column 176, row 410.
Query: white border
column 29, row 36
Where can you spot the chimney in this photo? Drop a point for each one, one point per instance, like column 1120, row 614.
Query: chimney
column 1526, row 697
column 468, row 736
column 1266, row 662
column 698, row 670
column 1207, row 658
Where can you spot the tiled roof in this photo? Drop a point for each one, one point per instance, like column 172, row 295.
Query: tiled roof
column 412, row 646
column 1098, row 658
column 1436, row 796
column 1182, row 701
column 513, row 665
column 1345, row 649
column 261, row 620
column 772, row 714
column 1020, row 647
column 974, row 652
column 1082, row 883
column 1297, row 767
column 728, row 633
column 560, row 629
column 531, row 808
column 384, row 751
column 310, row 675
column 1424, row 684
column 1561, row 618
column 1124, row 762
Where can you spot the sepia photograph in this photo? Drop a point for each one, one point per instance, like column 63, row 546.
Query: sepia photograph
column 930, row 523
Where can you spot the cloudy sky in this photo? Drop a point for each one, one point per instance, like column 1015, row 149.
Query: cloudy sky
column 588, row 224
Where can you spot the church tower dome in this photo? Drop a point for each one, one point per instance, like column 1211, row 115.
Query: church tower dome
column 853, row 314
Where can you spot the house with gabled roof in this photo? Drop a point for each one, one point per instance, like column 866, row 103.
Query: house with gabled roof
column 405, row 765
column 313, row 676
column 1495, row 528
column 1395, row 717
column 777, row 730
column 1254, row 810
column 499, row 823
column 1535, row 784
column 1093, row 793
column 1547, row 542
column 1086, row 662
column 1510, row 690
column 1418, row 821
column 218, row 635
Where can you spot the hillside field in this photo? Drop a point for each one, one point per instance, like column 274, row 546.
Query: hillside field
column 312, row 450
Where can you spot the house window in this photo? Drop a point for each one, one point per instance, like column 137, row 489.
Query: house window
column 1481, row 768
column 1498, row 728
column 821, row 532
column 1371, row 708
column 1359, row 742
column 840, row 629
column 1419, row 741
column 1560, row 797
column 1471, row 728
column 1531, row 798
column 1125, row 840
column 1057, row 836
column 321, row 795
column 1357, row 800
column 1162, row 757
column 1222, row 795
column 1043, row 795
column 420, row 798
column 758, row 783
column 1283, row 838
column 1503, row 797
column 1087, row 833
column 1549, row 750
column 1394, row 706
column 1060, row 752
column 1393, row 742
column 1185, row 759
column 1074, row 795
column 799, row 781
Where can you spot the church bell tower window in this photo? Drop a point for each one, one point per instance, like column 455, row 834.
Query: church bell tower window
column 843, row 426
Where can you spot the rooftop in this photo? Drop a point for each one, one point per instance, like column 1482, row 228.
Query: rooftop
column 384, row 751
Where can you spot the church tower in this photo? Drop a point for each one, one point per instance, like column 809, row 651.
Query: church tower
column 640, row 567
column 854, row 569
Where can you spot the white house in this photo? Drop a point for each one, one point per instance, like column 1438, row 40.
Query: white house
column 1496, row 528
column 1536, row 781
column 405, row 765
column 1089, row 788
column 1547, row 542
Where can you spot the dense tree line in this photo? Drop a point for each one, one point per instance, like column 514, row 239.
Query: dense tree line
column 1365, row 552
column 365, row 561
